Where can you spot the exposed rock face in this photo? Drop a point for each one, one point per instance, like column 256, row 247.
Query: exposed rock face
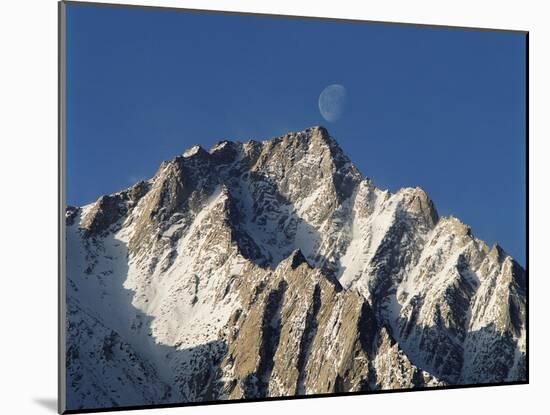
column 273, row 269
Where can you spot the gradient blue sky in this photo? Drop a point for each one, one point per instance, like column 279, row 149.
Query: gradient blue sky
column 439, row 108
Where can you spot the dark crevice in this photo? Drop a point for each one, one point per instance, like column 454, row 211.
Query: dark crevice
column 306, row 341
column 271, row 332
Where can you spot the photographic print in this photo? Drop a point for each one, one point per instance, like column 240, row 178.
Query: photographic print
column 260, row 207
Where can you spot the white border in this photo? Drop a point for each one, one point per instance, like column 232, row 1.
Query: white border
column 28, row 242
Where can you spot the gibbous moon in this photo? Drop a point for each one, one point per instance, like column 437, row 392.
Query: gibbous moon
column 331, row 102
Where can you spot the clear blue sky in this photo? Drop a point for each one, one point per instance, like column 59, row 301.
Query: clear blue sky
column 443, row 109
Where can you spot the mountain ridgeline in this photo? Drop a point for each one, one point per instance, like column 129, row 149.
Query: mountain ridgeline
column 274, row 268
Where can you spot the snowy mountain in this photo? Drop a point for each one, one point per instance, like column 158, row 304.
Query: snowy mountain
column 275, row 268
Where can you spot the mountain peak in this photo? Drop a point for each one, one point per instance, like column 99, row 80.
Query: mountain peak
column 297, row 258
column 318, row 131
column 223, row 252
column 497, row 253
column 195, row 151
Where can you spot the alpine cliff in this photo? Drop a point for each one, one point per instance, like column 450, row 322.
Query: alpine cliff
column 274, row 268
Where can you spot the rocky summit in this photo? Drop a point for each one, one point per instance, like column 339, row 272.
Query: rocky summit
column 274, row 268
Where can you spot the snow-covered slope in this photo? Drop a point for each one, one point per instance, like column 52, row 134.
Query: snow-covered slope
column 275, row 268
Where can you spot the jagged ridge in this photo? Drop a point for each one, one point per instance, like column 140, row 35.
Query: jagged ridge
column 275, row 268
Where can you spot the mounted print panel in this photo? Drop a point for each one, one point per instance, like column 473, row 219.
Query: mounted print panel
column 260, row 207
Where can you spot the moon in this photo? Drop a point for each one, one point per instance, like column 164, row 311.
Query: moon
column 332, row 101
